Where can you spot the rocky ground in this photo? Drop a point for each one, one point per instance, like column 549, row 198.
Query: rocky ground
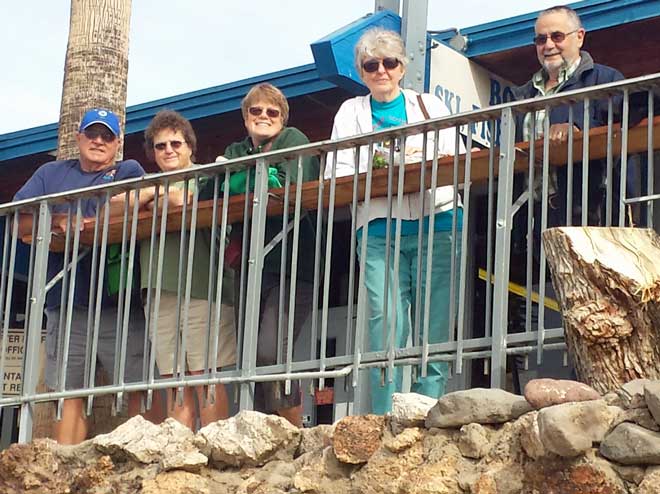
column 560, row 438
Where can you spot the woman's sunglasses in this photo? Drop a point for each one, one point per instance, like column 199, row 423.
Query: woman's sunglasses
column 160, row 146
column 555, row 36
column 257, row 111
column 372, row 64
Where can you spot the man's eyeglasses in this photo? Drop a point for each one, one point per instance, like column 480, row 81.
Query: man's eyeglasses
column 257, row 111
column 555, row 36
column 161, row 146
column 102, row 132
column 372, row 64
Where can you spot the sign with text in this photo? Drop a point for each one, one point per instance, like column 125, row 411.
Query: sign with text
column 14, row 351
column 465, row 86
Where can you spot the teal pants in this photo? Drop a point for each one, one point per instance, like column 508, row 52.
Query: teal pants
column 402, row 306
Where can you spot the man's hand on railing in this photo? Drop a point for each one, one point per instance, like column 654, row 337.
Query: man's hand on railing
column 559, row 132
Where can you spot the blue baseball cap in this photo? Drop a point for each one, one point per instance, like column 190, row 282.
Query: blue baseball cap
column 101, row 116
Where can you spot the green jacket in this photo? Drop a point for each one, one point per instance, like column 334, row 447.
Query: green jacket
column 289, row 137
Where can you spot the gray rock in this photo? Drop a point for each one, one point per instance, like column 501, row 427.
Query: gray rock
column 248, row 439
column 633, row 393
column 631, row 444
column 409, row 410
column 141, row 441
column 473, row 441
column 480, row 405
column 571, row 429
column 545, row 392
column 652, row 398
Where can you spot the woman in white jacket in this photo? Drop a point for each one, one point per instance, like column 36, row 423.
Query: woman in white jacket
column 380, row 59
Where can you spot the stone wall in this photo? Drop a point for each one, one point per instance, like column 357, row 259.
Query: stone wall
column 560, row 438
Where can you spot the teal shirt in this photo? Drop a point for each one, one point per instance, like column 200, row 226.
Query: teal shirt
column 392, row 114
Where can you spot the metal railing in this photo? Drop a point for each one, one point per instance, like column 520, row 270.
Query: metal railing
column 500, row 223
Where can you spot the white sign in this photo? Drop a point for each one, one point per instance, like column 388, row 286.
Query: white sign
column 465, row 86
column 13, row 371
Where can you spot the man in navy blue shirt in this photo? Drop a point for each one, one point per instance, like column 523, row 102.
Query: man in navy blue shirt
column 99, row 138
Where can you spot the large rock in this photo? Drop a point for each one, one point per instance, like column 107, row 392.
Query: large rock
column 357, row 437
column 320, row 472
column 170, row 444
column 639, row 416
column 571, row 429
column 409, row 410
column 248, row 439
column 483, row 406
column 542, row 393
column 652, row 398
column 631, row 444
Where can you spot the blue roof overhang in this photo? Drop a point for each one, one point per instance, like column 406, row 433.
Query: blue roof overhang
column 333, row 54
column 518, row 31
column 297, row 81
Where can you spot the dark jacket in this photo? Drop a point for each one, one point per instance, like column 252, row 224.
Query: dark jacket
column 587, row 74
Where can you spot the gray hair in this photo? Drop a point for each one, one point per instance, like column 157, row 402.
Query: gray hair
column 380, row 43
column 573, row 17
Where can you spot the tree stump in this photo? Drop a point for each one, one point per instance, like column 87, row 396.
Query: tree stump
column 608, row 284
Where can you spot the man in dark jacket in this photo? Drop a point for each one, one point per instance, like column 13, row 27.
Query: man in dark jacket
column 559, row 37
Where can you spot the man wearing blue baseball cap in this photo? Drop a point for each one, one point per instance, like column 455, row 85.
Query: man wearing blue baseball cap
column 98, row 139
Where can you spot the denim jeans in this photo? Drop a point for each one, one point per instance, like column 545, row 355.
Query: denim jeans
column 403, row 298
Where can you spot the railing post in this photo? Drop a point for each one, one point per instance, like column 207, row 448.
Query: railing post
column 33, row 336
column 502, row 249
column 253, row 292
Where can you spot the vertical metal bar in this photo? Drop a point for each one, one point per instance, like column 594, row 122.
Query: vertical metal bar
column 353, row 258
column 503, row 249
column 33, row 336
column 529, row 265
column 585, row 165
column 467, row 184
column 649, row 157
column 69, row 306
column 489, row 231
column 90, row 306
column 129, row 290
column 569, row 168
column 429, row 261
column 283, row 266
column 148, row 316
column 99, row 297
column 327, row 268
column 609, row 162
column 7, row 287
column 396, row 282
column 253, row 293
column 294, row 276
column 416, row 336
column 624, row 159
column 544, row 223
column 317, row 255
column 211, row 338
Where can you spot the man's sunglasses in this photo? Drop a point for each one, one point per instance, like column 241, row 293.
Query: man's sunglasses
column 372, row 64
column 556, row 37
column 257, row 111
column 160, row 146
column 102, row 132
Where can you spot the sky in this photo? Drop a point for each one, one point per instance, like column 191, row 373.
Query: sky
column 179, row 46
